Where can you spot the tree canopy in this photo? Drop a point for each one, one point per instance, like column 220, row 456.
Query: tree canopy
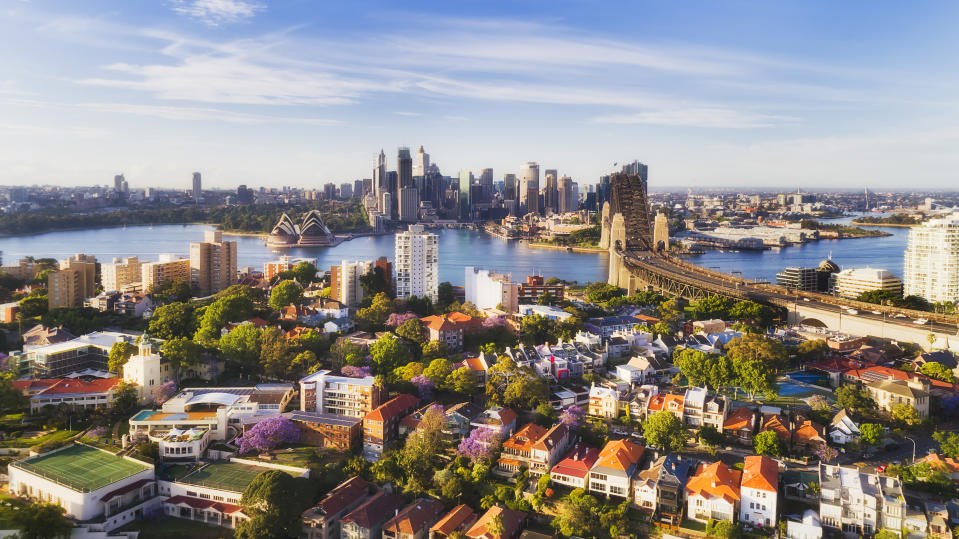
column 665, row 431
column 285, row 293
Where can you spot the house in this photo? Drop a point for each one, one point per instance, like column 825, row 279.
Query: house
column 807, row 527
column 414, row 521
column 777, row 423
column 701, row 409
column 460, row 519
column 76, row 393
column 615, row 469
column 713, row 325
column 639, row 370
column 741, row 424
column 759, row 491
column 713, row 493
column 890, row 393
column 450, row 328
column 458, row 419
column 502, row 420
column 381, row 426
column 948, row 465
column 478, row 365
column 518, row 449
column 603, row 402
column 807, row 434
column 667, row 402
column 938, row 516
column 549, row 448
column 366, row 521
column 330, row 308
column 842, row 428
column 322, row 521
column 659, row 490
column 338, row 325
column 573, row 470
column 302, row 314
column 513, row 522
column 855, row 502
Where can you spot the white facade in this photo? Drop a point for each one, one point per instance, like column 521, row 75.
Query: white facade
column 546, row 311
column 341, row 395
column 701, row 508
column 807, row 528
column 757, row 507
column 351, row 289
column 850, row 283
column 416, row 264
column 147, row 371
column 487, row 289
column 931, row 266
column 119, row 274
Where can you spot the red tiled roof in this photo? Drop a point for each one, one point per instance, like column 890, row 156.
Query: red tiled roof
column 375, row 510
column 715, row 480
column 511, row 523
column 777, row 424
column 552, row 438
column 460, row 517
column 761, row 473
column 342, row 495
column 73, row 386
column 414, row 518
column 741, row 418
column 620, row 455
column 578, row 461
column 197, row 503
column 393, row 407
column 526, row 437
column 35, row 384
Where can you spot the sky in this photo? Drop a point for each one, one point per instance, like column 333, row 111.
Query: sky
column 298, row 92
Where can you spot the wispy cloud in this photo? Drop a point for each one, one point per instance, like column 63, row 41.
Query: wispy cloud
column 200, row 114
column 407, row 113
column 217, row 12
column 697, row 117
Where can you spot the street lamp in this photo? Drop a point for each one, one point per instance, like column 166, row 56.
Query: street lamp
column 913, row 448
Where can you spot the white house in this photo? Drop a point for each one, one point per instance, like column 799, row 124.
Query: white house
column 843, row 429
column 147, row 370
column 759, row 491
column 806, row 528
column 77, row 393
column 603, row 402
column 713, row 493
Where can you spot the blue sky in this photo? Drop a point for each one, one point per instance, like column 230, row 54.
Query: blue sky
column 709, row 94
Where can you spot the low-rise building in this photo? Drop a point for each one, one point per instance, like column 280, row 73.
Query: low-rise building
column 759, row 492
column 414, row 521
column 502, row 420
column 512, row 521
column 854, row 502
column 713, row 493
column 842, row 429
column 366, row 521
column 322, row 521
column 741, row 424
column 549, row 449
column 76, row 393
column 615, row 469
column 573, row 470
column 327, row 393
column 518, row 449
column 806, row 527
column 603, row 402
column 329, row 431
column 660, row 490
column 460, row 519
column 890, row 393
column 381, row 426
column 450, row 328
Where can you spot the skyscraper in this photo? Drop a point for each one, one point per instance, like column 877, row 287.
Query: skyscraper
column 637, row 168
column 379, row 180
column 931, row 266
column 509, row 187
column 244, row 195
column 197, row 187
column 416, row 263
column 421, row 165
column 564, row 200
column 212, row 263
column 358, row 189
column 346, row 190
column 551, row 193
column 404, row 168
column 409, row 204
column 529, row 187
column 486, row 180
column 118, row 183
column 465, row 204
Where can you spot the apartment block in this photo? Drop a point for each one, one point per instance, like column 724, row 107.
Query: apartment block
column 341, row 395
column 168, row 269
column 120, row 273
column 212, row 263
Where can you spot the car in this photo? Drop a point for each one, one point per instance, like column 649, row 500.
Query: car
column 876, row 312
column 881, row 468
column 900, row 315
column 921, row 321
column 896, row 463
column 852, row 311
column 806, row 300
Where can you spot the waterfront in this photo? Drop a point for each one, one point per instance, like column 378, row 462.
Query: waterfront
column 458, row 249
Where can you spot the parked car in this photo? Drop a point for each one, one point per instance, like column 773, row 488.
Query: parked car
column 882, row 468
column 921, row 321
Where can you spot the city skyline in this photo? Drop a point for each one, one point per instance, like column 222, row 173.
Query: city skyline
column 271, row 94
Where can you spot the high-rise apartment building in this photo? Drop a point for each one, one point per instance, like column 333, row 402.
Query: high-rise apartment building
column 358, row 189
column 244, row 195
column 212, row 263
column 551, row 192
column 346, row 190
column 120, row 273
column 168, row 269
column 489, row 290
column 197, row 187
column 529, row 187
column 416, row 263
column 379, row 181
column 409, row 204
column 931, row 268
column 345, row 284
column 74, row 282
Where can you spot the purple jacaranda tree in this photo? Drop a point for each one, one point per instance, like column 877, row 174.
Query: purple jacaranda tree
column 397, row 319
column 480, row 445
column 424, row 386
column 356, row 372
column 268, row 434
column 163, row 392
column 494, row 322
column 98, row 432
column 572, row 416
column 826, row 453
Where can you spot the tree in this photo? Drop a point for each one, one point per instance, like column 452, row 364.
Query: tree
column 663, row 329
column 905, row 415
column 421, row 306
column 373, row 318
column 871, row 433
column 242, row 345
column 394, row 320
column 546, row 299
column 855, row 400
column 444, row 295
column 180, row 352
column 271, row 502
column 215, row 316
column 938, row 371
column 172, row 320
column 412, row 330
column 438, row 371
column 125, row 396
column 566, row 329
column 374, row 282
column 670, row 311
column 304, row 362
column 814, row 350
column 268, row 434
column 424, row 386
column 304, row 272
column 346, row 352
column 826, row 453
column 752, row 313
column 771, row 353
column 886, row 533
column 710, row 437
column 722, row 529
column 31, row 306
column 40, row 520
column 701, row 369
column 388, row 353
column 712, row 307
column 423, row 447
column 536, row 329
column 754, row 377
column 507, row 384
column 948, row 443
column 481, row 445
column 120, row 353
column 600, row 292
column 163, row 392
column 178, row 290
column 576, row 515
column 545, row 415
column 285, row 293
column 769, row 444
column 665, row 431
column 10, row 397
column 276, row 354
column 495, row 526
column 462, row 380
column 572, row 416
column 434, row 349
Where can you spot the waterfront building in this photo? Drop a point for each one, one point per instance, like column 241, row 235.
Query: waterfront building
column 345, row 284
column 465, row 203
column 25, row 269
column 931, row 268
column 489, row 290
column 850, row 283
column 197, row 187
column 409, row 204
column 416, row 263
column 797, row 278
column 529, row 187
column 341, row 395
column 168, row 269
column 313, row 232
column 120, row 273
column 212, row 263
column 74, row 282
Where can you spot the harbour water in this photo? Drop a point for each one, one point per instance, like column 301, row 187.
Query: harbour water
column 458, row 249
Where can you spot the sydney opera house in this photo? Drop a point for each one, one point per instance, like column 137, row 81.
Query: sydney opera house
column 310, row 233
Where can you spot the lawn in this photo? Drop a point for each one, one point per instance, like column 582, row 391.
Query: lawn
column 693, row 525
column 55, row 436
column 98, row 443
column 175, row 528
column 231, row 476
column 81, row 467
column 303, row 457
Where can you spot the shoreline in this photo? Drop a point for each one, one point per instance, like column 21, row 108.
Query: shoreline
column 585, row 250
column 889, row 225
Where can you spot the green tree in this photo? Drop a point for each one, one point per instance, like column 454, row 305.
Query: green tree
column 567, row 329
column 375, row 282
column 663, row 329
column 423, row 446
column 752, row 313
column 665, row 431
column 495, row 526
column 434, row 349
column 120, row 353
column 670, row 311
column 701, row 369
column 768, row 443
column 270, row 502
column 125, row 397
column 754, row 377
column 462, row 380
column 444, row 295
column 345, row 352
column 172, row 291
column 507, row 384
column 215, row 316
column 388, row 353
column 412, row 330
column 172, row 320
column 752, row 346
column 373, row 318
column 10, row 397
column 600, row 292
column 871, row 433
column 409, row 371
column 948, row 443
column 710, row 437
column 546, row 299
column 439, row 371
column 905, row 415
column 712, row 307
column 285, row 293
column 577, row 514
column 180, row 352
column 536, row 329
column 879, row 297
column 855, row 400
column 814, row 350
column 277, row 354
column 545, row 415
column 304, row 272
column 31, row 306
column 242, row 346
column 938, row 371
column 40, row 520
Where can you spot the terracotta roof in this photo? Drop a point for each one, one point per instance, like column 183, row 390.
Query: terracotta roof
column 809, row 431
column 511, row 523
column 552, row 438
column 375, row 510
column 197, row 503
column 459, row 518
column 644, row 318
column 674, row 402
column 741, row 418
column 342, row 495
column 507, row 416
column 124, row 489
column 34, row 385
column 449, row 322
column 761, row 473
column 950, row 464
column 715, row 480
column 620, row 455
column 392, row 408
column 656, row 403
column 776, row 423
column 524, row 439
column 578, row 461
column 475, row 364
column 415, row 517
column 74, row 386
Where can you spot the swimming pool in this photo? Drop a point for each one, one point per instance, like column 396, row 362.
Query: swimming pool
column 805, row 377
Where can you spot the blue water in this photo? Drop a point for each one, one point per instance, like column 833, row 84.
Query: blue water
column 806, row 377
column 787, row 389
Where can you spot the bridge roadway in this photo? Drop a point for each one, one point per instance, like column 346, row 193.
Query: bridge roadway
column 678, row 276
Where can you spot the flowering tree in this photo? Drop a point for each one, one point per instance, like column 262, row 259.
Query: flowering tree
column 480, row 445
column 268, row 434
column 818, row 402
column 98, row 432
column 424, row 386
column 396, row 319
column 163, row 392
column 494, row 322
column 572, row 416
column 826, row 453
column 356, row 372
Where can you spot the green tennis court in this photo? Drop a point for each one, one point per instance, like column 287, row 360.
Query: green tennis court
column 230, row 476
column 82, row 468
